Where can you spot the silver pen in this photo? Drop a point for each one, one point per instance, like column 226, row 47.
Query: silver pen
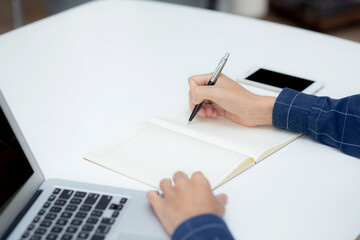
column 212, row 81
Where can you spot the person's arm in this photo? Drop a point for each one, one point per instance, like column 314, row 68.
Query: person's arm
column 189, row 210
column 334, row 122
column 206, row 226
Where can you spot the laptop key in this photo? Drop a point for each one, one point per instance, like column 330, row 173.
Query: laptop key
column 56, row 190
column 46, row 205
column 60, row 202
column 76, row 201
column 41, row 212
column 51, row 198
column 45, row 223
column 83, row 235
column 40, row 231
column 102, row 229
column 116, row 206
column 81, row 215
column 85, row 208
column 113, row 206
column 80, row 194
column 71, row 229
column 55, row 209
column 35, row 237
column 103, row 202
column 88, row 228
column 66, row 194
column 96, row 213
column 91, row 199
column 71, row 208
column 66, row 215
column 25, row 235
column 76, row 222
column 56, row 229
column 51, row 236
column 115, row 214
column 107, row 221
column 31, row 227
column 36, row 219
column 123, row 200
column 97, row 237
column 50, row 216
column 92, row 220
column 67, row 237
column 61, row 222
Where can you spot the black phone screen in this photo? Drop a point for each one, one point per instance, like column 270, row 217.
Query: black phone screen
column 279, row 80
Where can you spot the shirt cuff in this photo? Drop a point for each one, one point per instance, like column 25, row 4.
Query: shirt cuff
column 206, row 226
column 291, row 110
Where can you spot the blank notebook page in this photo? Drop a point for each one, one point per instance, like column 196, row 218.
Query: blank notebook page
column 149, row 153
column 250, row 141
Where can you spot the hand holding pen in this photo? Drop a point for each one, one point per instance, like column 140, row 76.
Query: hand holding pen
column 230, row 100
column 211, row 82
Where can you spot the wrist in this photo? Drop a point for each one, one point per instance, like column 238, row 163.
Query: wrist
column 265, row 110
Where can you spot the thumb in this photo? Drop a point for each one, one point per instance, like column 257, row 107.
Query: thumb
column 222, row 198
column 155, row 200
column 200, row 93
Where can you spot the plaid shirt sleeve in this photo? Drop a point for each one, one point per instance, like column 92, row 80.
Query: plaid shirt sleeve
column 203, row 227
column 334, row 122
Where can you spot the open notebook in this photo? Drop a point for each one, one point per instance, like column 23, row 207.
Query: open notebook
column 219, row 148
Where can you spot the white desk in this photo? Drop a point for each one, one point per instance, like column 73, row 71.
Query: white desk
column 79, row 78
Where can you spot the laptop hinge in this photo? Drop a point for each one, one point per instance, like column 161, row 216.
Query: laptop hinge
column 21, row 214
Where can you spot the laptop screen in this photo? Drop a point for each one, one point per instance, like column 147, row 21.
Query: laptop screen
column 15, row 169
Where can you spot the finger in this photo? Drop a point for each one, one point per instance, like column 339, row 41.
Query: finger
column 165, row 185
column 180, row 176
column 191, row 102
column 198, row 176
column 222, row 198
column 199, row 80
column 155, row 200
column 210, row 111
column 212, row 93
column 202, row 80
column 214, row 114
column 201, row 112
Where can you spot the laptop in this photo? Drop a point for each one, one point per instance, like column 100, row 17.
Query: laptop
column 34, row 208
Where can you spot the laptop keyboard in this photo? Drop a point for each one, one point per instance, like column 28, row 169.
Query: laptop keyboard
column 69, row 214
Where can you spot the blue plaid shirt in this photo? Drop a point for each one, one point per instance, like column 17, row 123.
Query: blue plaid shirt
column 334, row 122
column 203, row 227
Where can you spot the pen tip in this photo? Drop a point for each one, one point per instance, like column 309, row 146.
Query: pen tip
column 227, row 55
column 189, row 122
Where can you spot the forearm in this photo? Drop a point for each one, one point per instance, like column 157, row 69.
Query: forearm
column 207, row 226
column 334, row 122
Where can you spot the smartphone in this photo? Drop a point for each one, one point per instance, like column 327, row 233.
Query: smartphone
column 276, row 81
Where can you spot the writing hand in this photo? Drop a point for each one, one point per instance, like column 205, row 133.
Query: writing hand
column 229, row 99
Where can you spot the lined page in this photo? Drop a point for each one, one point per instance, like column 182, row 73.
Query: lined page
column 149, row 153
column 257, row 142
